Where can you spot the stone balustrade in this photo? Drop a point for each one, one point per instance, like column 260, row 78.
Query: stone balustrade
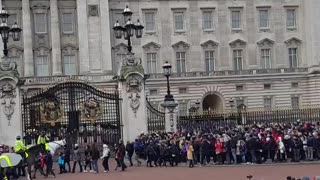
column 106, row 78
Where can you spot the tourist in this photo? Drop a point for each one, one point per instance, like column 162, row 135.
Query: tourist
column 95, row 158
column 76, row 158
column 49, row 164
column 105, row 157
column 130, row 151
column 88, row 158
column 190, row 154
column 61, row 163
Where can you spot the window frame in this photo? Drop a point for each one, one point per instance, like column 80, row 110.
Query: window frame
column 294, row 27
column 36, row 65
column 233, row 10
column 185, row 105
column 183, row 12
column 235, row 59
column 185, row 62
column 263, row 58
column 45, row 23
column 293, row 104
column 72, row 22
column 75, row 64
column 154, row 12
column 267, row 106
column 152, row 61
column 208, row 59
column 261, row 28
column 211, row 11
column 291, row 64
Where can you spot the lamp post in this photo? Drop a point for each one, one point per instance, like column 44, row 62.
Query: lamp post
column 6, row 31
column 167, row 73
column 128, row 29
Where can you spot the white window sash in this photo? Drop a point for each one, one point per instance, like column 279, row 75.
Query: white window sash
column 40, row 23
column 236, row 20
column 264, row 19
column 266, row 58
column 151, row 63
column 179, row 21
column 293, row 57
column 150, row 21
column 67, row 27
column 207, row 20
column 69, row 65
column 291, row 18
column 181, row 62
column 237, row 60
column 42, row 66
column 209, row 61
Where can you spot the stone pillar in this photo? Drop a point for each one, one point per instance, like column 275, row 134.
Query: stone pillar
column 131, row 84
column 105, row 36
column 171, row 115
column 27, row 39
column 1, row 44
column 10, row 105
column 83, row 36
column 55, row 38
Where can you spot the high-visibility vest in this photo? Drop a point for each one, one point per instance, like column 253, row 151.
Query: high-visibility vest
column 19, row 146
column 6, row 158
column 47, row 147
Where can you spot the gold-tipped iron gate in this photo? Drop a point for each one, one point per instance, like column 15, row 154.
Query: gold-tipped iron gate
column 75, row 111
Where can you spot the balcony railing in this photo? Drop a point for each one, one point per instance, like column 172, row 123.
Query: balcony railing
column 232, row 73
column 54, row 79
column 107, row 78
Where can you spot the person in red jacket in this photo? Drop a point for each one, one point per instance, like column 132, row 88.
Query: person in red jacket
column 219, row 150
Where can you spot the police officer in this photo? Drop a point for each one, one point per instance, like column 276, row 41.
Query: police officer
column 19, row 147
column 42, row 139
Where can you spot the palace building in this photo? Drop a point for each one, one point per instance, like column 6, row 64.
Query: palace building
column 261, row 53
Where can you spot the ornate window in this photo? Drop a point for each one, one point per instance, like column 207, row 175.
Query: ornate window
column 42, row 61
column 238, row 54
column 69, row 58
column 266, row 47
column 179, row 20
column 152, row 57
column 181, row 49
column 293, row 46
column 150, row 20
column 40, row 18
column 210, row 49
column 291, row 18
column 207, row 20
column 264, row 18
column 236, row 18
column 120, row 52
column 67, row 23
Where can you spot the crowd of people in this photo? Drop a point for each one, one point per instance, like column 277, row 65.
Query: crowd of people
column 259, row 143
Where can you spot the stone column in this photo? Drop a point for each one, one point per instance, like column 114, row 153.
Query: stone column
column 105, row 36
column 1, row 44
column 55, row 38
column 171, row 116
column 83, row 36
column 27, row 39
column 133, row 106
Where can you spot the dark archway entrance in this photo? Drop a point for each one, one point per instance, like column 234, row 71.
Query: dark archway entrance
column 212, row 102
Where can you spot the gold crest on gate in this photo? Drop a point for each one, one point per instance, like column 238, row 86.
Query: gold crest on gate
column 50, row 112
column 91, row 110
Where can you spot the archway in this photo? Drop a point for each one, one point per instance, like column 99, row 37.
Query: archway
column 212, row 102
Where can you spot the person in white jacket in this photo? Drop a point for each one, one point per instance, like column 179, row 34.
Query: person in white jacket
column 105, row 156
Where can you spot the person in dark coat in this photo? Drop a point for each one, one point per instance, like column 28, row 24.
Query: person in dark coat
column 49, row 164
column 130, row 150
column 151, row 153
column 122, row 154
column 67, row 157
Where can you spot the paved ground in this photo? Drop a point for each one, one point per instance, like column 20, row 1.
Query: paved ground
column 259, row 172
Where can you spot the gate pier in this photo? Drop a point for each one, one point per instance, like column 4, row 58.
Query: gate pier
column 131, row 87
column 10, row 110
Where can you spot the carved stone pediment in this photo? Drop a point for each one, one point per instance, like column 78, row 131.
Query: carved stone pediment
column 181, row 45
column 210, row 44
column 293, row 41
column 265, row 42
column 14, row 47
column 40, row 6
column 237, row 43
column 151, row 46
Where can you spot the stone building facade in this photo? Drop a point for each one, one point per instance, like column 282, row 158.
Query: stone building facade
column 261, row 53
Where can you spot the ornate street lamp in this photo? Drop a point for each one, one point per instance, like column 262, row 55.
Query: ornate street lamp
column 129, row 29
column 167, row 73
column 5, row 31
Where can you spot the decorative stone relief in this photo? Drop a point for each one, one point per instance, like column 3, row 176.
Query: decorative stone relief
column 237, row 43
column 93, row 10
column 134, row 88
column 7, row 95
column 50, row 112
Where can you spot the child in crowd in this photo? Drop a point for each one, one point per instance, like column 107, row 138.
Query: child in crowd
column 61, row 163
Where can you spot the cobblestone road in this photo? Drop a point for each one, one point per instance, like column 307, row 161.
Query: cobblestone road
column 259, row 172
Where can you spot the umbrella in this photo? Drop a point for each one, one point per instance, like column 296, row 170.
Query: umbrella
column 13, row 157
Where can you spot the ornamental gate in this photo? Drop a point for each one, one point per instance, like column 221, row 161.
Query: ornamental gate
column 156, row 119
column 73, row 110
